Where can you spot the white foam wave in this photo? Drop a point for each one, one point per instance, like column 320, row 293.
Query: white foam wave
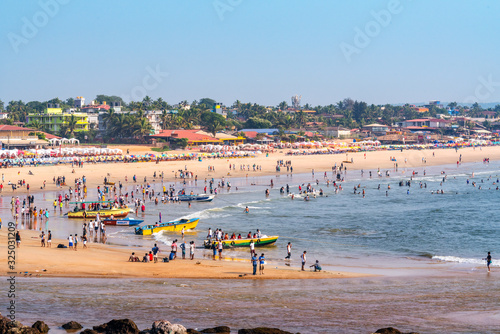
column 163, row 238
column 494, row 263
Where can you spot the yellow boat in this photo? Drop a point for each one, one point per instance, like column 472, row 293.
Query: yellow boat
column 178, row 225
column 105, row 211
column 258, row 242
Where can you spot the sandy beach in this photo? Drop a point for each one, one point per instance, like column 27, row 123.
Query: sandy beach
column 99, row 260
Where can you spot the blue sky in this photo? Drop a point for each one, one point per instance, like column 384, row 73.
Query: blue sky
column 251, row 50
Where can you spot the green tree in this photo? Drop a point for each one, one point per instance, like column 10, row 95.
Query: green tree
column 109, row 117
column 212, row 122
column 257, row 123
column 71, row 125
column 142, row 128
column 283, row 105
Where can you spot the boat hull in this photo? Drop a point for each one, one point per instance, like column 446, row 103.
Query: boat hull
column 122, row 222
column 106, row 213
column 266, row 241
column 172, row 226
column 196, row 198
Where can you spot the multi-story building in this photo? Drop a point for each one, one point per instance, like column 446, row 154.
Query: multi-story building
column 53, row 118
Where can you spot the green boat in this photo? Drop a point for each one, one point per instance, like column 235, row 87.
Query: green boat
column 259, row 242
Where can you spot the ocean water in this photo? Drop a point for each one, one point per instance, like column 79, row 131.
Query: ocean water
column 428, row 247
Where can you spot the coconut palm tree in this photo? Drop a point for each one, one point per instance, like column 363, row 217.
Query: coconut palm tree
column 109, row 117
column 142, row 128
column 71, row 125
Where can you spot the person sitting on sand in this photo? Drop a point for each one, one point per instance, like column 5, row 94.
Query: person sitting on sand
column 145, row 258
column 316, row 266
column 133, row 258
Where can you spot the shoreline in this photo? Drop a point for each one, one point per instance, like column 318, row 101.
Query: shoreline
column 111, row 261
column 95, row 173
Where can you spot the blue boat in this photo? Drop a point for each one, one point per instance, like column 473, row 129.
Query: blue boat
column 122, row 222
column 196, row 198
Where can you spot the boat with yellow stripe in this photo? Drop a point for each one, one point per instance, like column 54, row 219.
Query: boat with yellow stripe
column 105, row 209
column 177, row 225
column 258, row 242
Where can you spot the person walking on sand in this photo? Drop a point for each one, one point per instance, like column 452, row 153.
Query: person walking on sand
column 42, row 238
column 191, row 250
column 220, row 246
column 303, row 258
column 288, row 251
column 488, row 261
column 254, row 263
column 262, row 260
column 18, row 239
column 49, row 239
column 155, row 251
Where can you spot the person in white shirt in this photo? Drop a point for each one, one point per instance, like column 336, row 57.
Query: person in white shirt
column 191, row 250
column 288, row 251
column 252, row 248
column 303, row 258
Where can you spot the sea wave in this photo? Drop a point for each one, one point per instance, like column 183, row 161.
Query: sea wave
column 494, row 263
column 163, row 238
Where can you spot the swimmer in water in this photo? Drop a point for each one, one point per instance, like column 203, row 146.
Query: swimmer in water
column 246, row 210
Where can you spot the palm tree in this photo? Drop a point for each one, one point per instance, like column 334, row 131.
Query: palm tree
column 71, row 125
column 142, row 128
column 35, row 124
column 109, row 117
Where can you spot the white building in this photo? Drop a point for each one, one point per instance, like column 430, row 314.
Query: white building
column 79, row 102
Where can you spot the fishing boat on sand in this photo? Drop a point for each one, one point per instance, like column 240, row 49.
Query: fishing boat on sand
column 258, row 242
column 177, row 225
column 105, row 209
column 122, row 222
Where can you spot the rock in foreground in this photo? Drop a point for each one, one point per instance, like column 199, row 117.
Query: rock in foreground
column 72, row 325
column 165, row 327
column 122, row 326
column 391, row 330
column 219, row 330
column 262, row 330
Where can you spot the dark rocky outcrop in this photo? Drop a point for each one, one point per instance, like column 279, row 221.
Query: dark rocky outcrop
column 41, row 326
column 145, row 331
column 122, row 326
column 263, row 330
column 72, row 325
column 391, row 330
column 165, row 327
column 15, row 327
column 192, row 331
column 219, row 329
column 89, row 331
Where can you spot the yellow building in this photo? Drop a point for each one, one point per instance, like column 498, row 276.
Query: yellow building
column 53, row 119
